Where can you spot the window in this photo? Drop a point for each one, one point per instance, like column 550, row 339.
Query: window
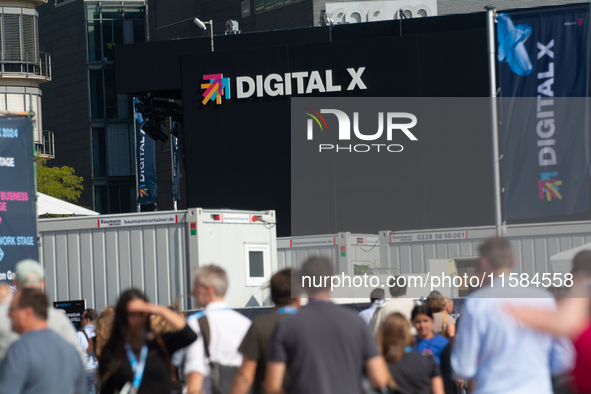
column 12, row 40
column 120, row 156
column 110, row 94
column 97, row 95
column 20, row 35
column 257, row 264
column 101, row 199
column 116, row 197
column 108, row 26
column 99, row 152
column 269, row 5
column 94, row 41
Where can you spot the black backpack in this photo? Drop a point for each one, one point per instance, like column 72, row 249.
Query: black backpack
column 221, row 376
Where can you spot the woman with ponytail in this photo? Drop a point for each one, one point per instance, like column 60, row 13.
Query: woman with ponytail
column 412, row 372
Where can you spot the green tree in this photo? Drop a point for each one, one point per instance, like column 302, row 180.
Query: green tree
column 58, row 182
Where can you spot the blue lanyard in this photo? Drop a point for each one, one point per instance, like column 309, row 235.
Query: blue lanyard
column 137, row 367
column 290, row 310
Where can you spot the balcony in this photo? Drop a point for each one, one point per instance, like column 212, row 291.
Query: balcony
column 27, row 68
column 46, row 148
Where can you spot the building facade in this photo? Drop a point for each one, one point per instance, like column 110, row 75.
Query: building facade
column 93, row 125
column 23, row 67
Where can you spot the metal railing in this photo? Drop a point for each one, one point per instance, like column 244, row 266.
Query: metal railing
column 46, row 147
column 29, row 67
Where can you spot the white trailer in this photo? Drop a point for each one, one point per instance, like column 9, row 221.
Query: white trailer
column 534, row 245
column 351, row 253
column 97, row 258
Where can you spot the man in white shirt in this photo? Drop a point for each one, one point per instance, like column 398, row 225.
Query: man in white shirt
column 227, row 328
column 397, row 303
column 85, row 340
column 377, row 298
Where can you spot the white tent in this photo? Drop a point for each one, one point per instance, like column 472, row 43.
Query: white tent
column 54, row 206
column 563, row 261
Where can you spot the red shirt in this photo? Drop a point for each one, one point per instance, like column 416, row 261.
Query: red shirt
column 583, row 361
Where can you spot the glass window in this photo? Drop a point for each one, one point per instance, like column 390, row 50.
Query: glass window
column 108, row 41
column 120, row 149
column 92, row 11
column 256, row 263
column 127, row 198
column 118, row 32
column 94, row 41
column 134, row 13
column 139, row 31
column 112, row 13
column 259, row 5
column 29, row 35
column 114, row 199
column 101, row 199
column 99, row 152
column 111, row 94
column 12, row 38
column 97, row 97
column 16, row 102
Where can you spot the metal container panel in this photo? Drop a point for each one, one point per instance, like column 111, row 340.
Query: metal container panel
column 85, row 261
column 346, row 251
column 533, row 245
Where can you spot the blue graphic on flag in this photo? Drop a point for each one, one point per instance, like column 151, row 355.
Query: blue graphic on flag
column 545, row 114
column 511, row 48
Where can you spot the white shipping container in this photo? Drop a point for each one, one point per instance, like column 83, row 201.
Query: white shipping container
column 351, row 253
column 409, row 252
column 98, row 258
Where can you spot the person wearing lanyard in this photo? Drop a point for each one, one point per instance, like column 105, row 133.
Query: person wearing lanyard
column 255, row 345
column 134, row 360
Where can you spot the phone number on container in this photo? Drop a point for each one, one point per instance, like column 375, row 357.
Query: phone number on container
column 545, row 280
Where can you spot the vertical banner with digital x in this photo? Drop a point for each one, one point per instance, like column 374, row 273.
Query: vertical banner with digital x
column 544, row 79
column 176, row 169
column 146, row 164
column 18, row 222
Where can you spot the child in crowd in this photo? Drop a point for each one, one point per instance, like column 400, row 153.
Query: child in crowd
column 427, row 341
column 412, row 373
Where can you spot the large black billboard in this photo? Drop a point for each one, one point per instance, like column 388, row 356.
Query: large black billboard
column 239, row 145
column 238, row 148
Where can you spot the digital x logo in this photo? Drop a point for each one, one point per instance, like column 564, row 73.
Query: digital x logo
column 391, row 119
column 143, row 191
column 511, row 45
column 549, row 186
column 217, row 87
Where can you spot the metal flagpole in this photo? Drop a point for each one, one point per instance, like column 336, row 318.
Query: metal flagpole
column 173, row 141
column 492, row 61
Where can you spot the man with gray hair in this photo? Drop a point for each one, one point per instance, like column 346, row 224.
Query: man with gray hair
column 220, row 332
column 30, row 274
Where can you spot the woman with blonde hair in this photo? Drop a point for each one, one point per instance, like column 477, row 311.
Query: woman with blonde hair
column 441, row 308
column 104, row 325
column 412, row 372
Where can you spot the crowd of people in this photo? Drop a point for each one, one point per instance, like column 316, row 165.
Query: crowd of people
column 506, row 340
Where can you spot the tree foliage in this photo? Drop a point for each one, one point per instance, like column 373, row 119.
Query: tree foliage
column 58, row 182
